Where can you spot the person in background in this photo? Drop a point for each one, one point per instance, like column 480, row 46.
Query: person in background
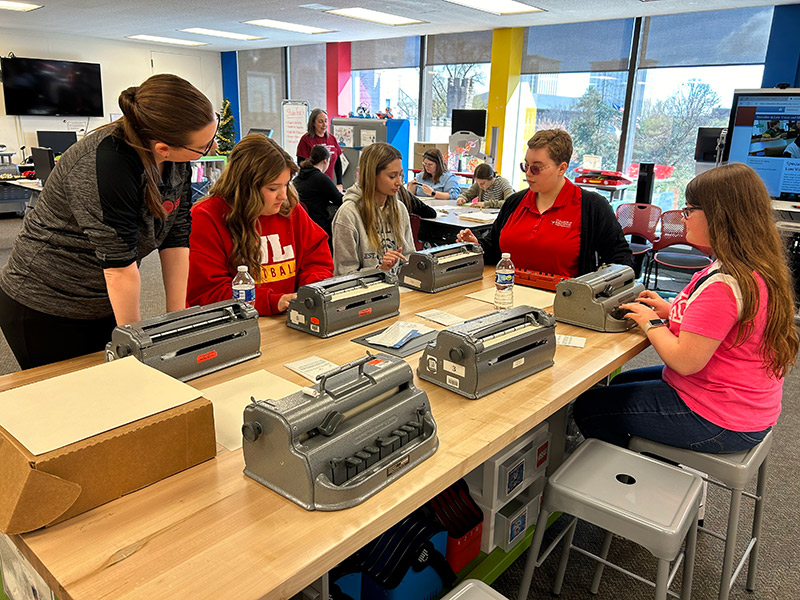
column 317, row 133
column 252, row 218
column 320, row 197
column 116, row 195
column 730, row 339
column 435, row 180
column 792, row 150
column 414, row 205
column 372, row 229
column 554, row 226
column 773, row 130
column 490, row 189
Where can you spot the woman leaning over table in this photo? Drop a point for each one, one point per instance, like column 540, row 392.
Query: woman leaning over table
column 554, row 226
column 489, row 188
column 121, row 192
column 252, row 217
column 372, row 228
column 435, row 180
column 730, row 338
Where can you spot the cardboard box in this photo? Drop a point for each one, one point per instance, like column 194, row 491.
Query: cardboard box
column 421, row 147
column 36, row 491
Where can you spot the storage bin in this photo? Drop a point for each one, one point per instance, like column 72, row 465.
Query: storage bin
column 506, row 526
column 473, row 589
column 455, row 509
column 511, row 470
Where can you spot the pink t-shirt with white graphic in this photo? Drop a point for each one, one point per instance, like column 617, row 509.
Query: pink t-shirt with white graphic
column 734, row 390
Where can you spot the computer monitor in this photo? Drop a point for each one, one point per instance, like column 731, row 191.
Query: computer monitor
column 43, row 163
column 473, row 120
column 264, row 132
column 705, row 149
column 762, row 131
column 57, row 141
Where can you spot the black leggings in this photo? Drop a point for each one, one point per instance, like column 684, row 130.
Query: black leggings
column 37, row 338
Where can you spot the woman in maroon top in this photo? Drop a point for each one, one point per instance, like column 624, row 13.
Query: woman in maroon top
column 554, row 226
column 316, row 135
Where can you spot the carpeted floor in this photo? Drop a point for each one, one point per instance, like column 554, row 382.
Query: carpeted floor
column 779, row 561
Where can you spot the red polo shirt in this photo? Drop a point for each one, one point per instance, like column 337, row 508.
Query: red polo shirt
column 548, row 242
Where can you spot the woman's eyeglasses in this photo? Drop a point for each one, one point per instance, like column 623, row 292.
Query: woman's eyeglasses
column 534, row 169
column 208, row 147
column 687, row 211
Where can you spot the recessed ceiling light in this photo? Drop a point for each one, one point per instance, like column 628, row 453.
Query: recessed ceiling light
column 165, row 40
column 288, row 26
column 18, row 6
column 223, row 34
column 498, row 7
column 374, row 16
column 316, row 6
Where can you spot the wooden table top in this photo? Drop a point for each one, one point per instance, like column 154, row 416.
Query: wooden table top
column 211, row 531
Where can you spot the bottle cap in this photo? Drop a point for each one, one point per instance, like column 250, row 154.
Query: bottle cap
column 242, row 268
column 505, row 255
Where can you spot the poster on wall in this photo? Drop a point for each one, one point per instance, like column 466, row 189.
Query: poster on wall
column 294, row 119
column 368, row 137
column 344, row 135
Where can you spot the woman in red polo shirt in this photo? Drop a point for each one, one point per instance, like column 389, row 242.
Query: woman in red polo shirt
column 554, row 226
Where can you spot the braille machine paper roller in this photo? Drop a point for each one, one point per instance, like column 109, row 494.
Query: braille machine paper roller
column 191, row 342
column 335, row 444
column 482, row 355
column 333, row 306
column 592, row 300
column 443, row 267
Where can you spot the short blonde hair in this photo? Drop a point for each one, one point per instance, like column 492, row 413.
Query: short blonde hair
column 557, row 141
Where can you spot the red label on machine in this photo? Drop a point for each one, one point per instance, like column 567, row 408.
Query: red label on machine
column 365, row 312
column 206, row 356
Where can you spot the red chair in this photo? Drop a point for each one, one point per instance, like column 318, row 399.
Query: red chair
column 673, row 233
column 415, row 221
column 642, row 220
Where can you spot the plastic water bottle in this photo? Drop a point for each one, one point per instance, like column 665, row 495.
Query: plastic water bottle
column 504, row 283
column 244, row 286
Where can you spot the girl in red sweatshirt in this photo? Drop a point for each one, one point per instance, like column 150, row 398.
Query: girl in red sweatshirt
column 252, row 217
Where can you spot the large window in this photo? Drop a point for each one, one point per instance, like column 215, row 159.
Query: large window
column 682, row 87
column 307, row 75
column 261, row 90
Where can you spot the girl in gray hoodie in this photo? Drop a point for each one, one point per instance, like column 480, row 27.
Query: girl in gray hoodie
column 372, row 229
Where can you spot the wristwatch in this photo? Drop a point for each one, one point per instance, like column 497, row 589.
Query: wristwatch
column 654, row 323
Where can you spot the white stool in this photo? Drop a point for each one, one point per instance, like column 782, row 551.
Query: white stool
column 473, row 589
column 638, row 498
column 732, row 472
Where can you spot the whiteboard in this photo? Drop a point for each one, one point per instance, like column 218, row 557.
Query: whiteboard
column 294, row 120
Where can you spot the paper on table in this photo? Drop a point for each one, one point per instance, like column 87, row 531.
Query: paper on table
column 311, row 367
column 57, row 412
column 478, row 217
column 230, row 398
column 570, row 340
column 441, row 317
column 398, row 334
column 522, row 295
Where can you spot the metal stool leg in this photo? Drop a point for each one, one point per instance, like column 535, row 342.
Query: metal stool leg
column 688, row 562
column 761, row 488
column 562, row 565
column 730, row 544
column 662, row 579
column 598, row 571
column 533, row 555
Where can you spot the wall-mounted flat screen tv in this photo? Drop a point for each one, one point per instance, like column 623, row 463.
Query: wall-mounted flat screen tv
column 35, row 87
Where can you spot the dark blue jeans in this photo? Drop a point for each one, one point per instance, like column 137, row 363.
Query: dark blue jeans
column 641, row 403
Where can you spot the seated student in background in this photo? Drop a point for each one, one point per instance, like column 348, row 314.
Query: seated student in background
column 317, row 134
column 554, row 226
column 316, row 190
column 372, row 229
column 792, row 150
column 252, row 218
column 730, row 339
column 435, row 180
column 490, row 189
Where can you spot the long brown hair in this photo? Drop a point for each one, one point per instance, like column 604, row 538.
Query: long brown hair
column 374, row 159
column 745, row 239
column 165, row 108
column 434, row 155
column 254, row 162
column 312, row 130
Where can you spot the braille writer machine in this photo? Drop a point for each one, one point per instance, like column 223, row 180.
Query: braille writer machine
column 335, row 444
column 592, row 300
column 482, row 355
column 191, row 342
column 333, row 306
column 443, row 267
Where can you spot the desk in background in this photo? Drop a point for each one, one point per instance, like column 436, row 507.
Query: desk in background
column 211, row 532
column 448, row 222
column 18, row 195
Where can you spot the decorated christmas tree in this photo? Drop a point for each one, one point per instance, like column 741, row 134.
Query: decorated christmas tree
column 226, row 136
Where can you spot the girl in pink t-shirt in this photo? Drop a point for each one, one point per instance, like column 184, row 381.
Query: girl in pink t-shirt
column 730, row 338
